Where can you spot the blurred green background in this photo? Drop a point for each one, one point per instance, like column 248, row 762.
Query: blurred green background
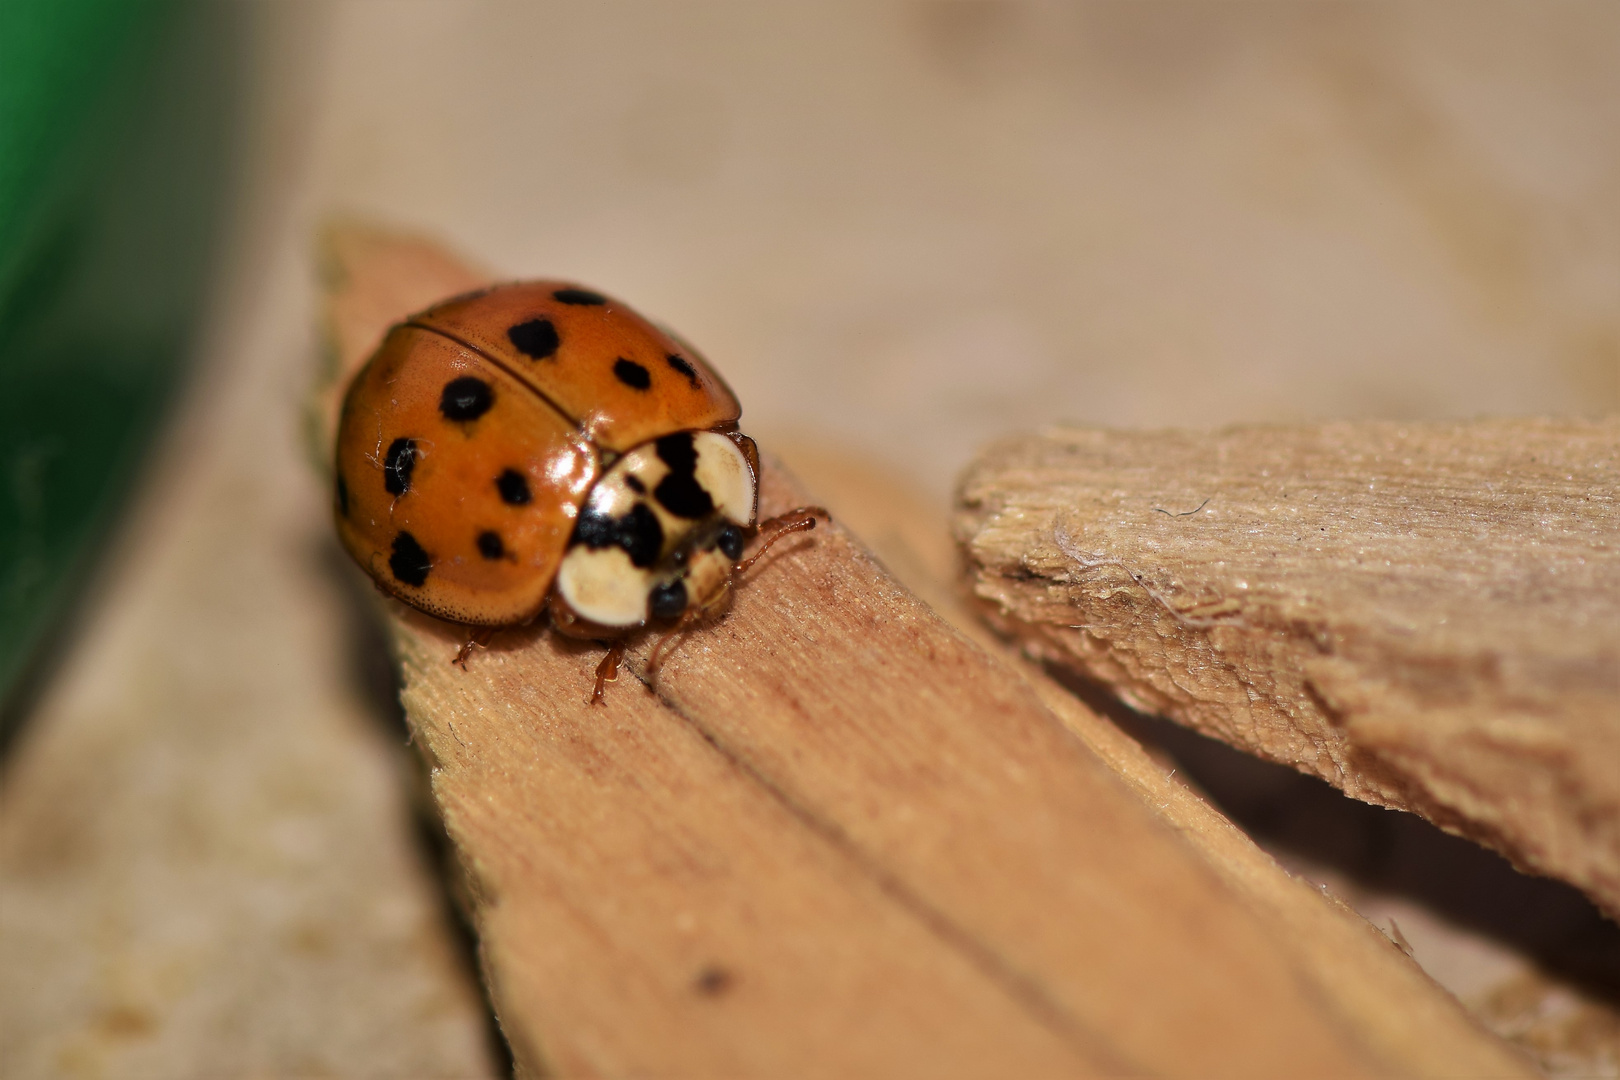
column 115, row 131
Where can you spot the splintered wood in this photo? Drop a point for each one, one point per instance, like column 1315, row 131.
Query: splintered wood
column 1427, row 616
column 836, row 837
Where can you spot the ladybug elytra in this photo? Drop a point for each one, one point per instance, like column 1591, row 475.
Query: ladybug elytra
column 538, row 447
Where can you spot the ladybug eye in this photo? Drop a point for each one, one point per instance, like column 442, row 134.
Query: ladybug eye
column 669, row 600
column 731, row 542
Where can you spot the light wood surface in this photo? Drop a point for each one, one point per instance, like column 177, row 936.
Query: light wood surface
column 835, row 836
column 1425, row 615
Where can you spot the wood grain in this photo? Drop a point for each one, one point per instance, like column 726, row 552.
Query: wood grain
column 836, row 836
column 1426, row 616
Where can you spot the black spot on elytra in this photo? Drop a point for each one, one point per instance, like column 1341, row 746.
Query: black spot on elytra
column 409, row 562
column 637, row 532
column 668, row 600
column 632, row 374
column 684, row 366
column 489, row 544
column 514, row 488
column 342, row 496
column 582, row 297
column 398, row 464
column 466, row 398
column 679, row 491
column 731, row 542
column 633, row 482
column 536, row 338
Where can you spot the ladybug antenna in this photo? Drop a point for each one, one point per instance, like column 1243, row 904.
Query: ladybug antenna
column 801, row 519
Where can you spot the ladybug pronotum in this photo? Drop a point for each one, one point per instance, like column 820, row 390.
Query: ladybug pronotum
column 538, row 447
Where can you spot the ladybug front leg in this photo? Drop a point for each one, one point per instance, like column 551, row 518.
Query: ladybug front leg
column 608, row 670
column 656, row 660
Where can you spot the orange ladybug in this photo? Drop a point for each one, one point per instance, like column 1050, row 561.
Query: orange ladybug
column 538, row 447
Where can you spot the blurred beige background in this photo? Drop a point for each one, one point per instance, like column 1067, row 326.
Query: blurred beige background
column 913, row 226
column 900, row 229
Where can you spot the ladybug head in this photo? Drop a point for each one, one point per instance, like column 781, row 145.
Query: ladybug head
column 660, row 532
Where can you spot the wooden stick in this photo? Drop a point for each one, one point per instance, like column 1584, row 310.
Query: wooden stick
column 1427, row 616
column 842, row 839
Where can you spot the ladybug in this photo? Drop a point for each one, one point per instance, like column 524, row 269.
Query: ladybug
column 538, row 447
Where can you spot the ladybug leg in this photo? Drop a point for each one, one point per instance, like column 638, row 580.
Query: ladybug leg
column 476, row 639
column 690, row 617
column 801, row 519
column 656, row 660
column 608, row 670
